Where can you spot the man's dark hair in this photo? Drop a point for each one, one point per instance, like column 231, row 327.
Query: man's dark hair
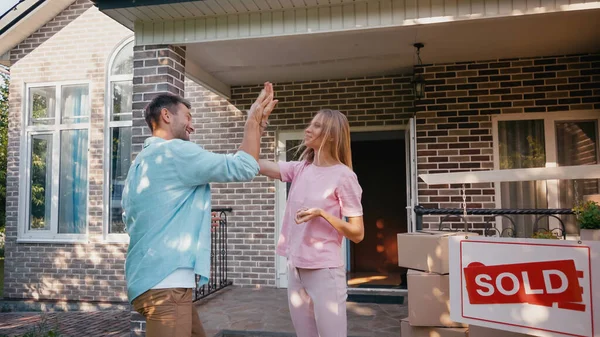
column 169, row 101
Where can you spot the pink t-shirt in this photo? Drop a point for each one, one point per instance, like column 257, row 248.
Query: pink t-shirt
column 335, row 189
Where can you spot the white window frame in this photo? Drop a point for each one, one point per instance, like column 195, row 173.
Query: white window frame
column 108, row 125
column 52, row 235
column 550, row 119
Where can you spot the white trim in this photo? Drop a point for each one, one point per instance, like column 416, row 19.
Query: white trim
column 51, row 235
column 281, row 279
column 499, row 176
column 412, row 159
column 320, row 17
column 107, row 160
column 59, row 239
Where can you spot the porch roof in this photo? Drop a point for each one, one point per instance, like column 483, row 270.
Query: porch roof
column 239, row 42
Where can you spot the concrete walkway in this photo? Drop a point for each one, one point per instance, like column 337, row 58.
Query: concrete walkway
column 69, row 324
column 266, row 310
column 231, row 309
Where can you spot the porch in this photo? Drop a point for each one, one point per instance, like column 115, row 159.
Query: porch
column 266, row 310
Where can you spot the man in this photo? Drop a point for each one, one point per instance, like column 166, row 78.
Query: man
column 166, row 205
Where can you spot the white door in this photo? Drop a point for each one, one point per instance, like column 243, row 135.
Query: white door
column 287, row 144
column 411, row 170
column 285, row 151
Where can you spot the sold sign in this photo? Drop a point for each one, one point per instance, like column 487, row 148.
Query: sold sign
column 544, row 288
column 540, row 283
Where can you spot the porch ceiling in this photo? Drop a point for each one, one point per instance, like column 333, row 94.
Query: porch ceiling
column 389, row 50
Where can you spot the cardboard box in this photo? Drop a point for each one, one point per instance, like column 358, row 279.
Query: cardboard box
column 425, row 250
column 406, row 330
column 479, row 331
column 429, row 300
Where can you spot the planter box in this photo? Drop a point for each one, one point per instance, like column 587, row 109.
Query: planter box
column 589, row 234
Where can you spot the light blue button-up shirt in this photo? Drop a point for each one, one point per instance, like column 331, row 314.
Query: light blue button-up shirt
column 166, row 203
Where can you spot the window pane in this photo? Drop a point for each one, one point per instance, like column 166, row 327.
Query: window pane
column 123, row 63
column 41, row 182
column 73, row 185
column 576, row 144
column 75, row 104
column 121, row 159
column 42, row 103
column 122, row 93
column 522, row 145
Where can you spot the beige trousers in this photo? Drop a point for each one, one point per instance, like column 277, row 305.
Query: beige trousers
column 169, row 313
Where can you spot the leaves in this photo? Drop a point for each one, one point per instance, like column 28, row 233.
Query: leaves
column 588, row 215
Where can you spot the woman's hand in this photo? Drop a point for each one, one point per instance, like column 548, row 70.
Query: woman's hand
column 353, row 229
column 306, row 214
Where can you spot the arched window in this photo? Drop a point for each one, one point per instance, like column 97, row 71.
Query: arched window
column 118, row 135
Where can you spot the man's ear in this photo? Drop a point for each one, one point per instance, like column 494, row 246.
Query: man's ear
column 165, row 115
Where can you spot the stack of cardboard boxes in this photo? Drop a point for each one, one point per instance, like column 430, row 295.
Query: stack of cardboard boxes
column 425, row 254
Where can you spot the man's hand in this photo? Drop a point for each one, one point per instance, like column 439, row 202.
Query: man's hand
column 263, row 106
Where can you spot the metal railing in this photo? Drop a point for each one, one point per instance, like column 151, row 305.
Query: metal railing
column 490, row 228
column 218, row 258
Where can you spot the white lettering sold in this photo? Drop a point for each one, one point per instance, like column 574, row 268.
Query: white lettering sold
column 564, row 283
column 479, row 279
column 485, row 281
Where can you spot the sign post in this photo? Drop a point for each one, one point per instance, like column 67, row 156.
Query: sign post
column 531, row 286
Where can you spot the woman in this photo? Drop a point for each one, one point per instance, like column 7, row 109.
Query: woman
column 323, row 192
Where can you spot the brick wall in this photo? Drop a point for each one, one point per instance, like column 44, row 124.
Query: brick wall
column 88, row 272
column 379, row 101
column 156, row 69
column 455, row 118
column 49, row 29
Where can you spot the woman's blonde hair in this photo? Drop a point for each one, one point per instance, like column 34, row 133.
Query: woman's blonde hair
column 337, row 129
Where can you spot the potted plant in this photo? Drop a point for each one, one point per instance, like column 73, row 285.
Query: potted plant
column 587, row 214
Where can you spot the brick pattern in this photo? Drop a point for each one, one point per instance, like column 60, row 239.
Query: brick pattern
column 156, row 69
column 379, row 101
column 137, row 324
column 49, row 29
column 454, row 125
column 87, row 272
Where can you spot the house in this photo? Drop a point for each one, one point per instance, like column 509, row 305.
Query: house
column 507, row 85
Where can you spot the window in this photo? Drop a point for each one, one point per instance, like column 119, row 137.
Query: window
column 546, row 140
column 54, row 195
column 118, row 137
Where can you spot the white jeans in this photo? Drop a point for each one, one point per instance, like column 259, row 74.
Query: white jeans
column 317, row 300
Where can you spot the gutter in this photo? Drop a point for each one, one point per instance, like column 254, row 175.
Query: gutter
column 18, row 18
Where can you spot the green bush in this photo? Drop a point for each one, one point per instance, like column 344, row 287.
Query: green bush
column 588, row 215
